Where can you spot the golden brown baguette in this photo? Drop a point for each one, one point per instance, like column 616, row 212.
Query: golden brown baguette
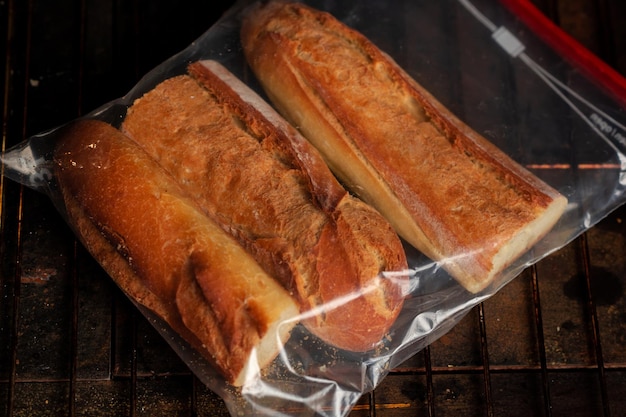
column 162, row 250
column 268, row 187
column 445, row 189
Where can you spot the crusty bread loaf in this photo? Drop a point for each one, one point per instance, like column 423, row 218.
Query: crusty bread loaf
column 162, row 250
column 268, row 187
column 446, row 190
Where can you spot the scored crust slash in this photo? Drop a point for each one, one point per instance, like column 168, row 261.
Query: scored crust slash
column 211, row 210
column 445, row 189
column 164, row 253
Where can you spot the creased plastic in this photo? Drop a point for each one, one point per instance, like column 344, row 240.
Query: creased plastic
column 490, row 71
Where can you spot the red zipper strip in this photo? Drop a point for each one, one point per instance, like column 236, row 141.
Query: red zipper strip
column 596, row 69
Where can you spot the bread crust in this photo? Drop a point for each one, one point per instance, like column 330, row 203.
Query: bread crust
column 447, row 190
column 269, row 188
column 165, row 254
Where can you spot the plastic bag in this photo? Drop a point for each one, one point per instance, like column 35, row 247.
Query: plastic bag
column 489, row 64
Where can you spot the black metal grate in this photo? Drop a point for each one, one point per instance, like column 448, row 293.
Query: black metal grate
column 551, row 343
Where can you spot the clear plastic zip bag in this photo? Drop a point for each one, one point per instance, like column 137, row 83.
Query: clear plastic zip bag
column 499, row 67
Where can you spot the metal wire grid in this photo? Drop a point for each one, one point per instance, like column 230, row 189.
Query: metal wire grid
column 550, row 343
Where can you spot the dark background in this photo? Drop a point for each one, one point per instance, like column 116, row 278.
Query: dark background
column 550, row 343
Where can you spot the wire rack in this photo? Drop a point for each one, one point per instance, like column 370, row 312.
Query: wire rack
column 551, row 343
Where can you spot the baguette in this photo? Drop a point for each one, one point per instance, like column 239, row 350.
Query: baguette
column 161, row 249
column 267, row 186
column 446, row 190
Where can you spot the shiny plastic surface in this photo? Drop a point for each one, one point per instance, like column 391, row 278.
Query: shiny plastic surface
column 496, row 76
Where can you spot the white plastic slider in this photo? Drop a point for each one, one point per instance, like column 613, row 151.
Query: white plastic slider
column 508, row 41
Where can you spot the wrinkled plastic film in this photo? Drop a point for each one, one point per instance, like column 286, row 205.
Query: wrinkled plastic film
column 491, row 72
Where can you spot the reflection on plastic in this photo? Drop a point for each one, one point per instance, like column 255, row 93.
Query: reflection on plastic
column 312, row 378
column 609, row 129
